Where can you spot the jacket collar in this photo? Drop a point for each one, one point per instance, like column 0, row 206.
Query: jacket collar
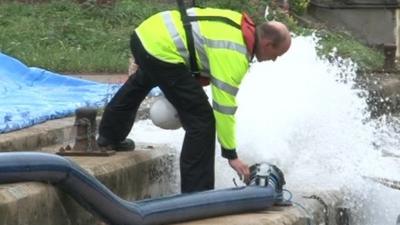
column 249, row 34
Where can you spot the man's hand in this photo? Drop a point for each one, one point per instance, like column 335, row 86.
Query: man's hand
column 241, row 168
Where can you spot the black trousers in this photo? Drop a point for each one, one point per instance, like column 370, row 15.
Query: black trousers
column 191, row 103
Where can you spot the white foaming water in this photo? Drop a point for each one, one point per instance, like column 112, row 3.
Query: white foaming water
column 303, row 114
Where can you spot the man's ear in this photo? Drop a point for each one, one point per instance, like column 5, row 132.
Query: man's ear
column 266, row 43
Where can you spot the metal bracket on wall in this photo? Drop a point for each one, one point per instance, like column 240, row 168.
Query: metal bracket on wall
column 85, row 140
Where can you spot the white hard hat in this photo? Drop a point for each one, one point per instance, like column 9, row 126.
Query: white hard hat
column 164, row 115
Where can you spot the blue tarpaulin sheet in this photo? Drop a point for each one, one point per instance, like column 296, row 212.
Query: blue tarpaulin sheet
column 30, row 95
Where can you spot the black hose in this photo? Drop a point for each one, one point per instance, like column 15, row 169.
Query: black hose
column 98, row 199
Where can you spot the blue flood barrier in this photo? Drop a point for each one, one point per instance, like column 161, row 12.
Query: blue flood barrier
column 30, row 95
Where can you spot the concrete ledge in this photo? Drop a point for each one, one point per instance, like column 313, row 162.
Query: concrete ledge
column 52, row 132
column 130, row 175
column 49, row 133
column 319, row 210
column 383, row 93
column 145, row 173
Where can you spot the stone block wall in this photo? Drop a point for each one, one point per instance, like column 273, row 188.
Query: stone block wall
column 397, row 33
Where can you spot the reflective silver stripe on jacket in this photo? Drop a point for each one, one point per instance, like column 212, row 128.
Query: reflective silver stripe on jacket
column 226, row 45
column 173, row 32
column 224, row 86
column 224, row 109
column 200, row 42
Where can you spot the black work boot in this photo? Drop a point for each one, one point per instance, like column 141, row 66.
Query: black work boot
column 125, row 145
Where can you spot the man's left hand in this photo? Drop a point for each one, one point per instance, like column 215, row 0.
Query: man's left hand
column 241, row 168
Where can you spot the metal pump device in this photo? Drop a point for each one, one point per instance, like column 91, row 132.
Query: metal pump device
column 266, row 174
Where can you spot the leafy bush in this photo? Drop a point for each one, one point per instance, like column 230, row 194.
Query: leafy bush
column 255, row 8
column 298, row 6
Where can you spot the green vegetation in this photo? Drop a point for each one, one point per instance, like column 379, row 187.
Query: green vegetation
column 64, row 36
column 341, row 42
column 299, row 6
column 348, row 47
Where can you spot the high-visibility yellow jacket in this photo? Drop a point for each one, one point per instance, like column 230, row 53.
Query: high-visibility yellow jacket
column 221, row 54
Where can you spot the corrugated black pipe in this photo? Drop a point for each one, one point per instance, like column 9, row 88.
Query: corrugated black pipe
column 355, row 5
column 98, row 199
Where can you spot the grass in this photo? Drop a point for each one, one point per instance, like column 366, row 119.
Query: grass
column 63, row 36
column 367, row 58
column 338, row 41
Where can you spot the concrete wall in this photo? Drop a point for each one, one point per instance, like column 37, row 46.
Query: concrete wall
column 131, row 175
column 397, row 33
column 374, row 26
column 149, row 171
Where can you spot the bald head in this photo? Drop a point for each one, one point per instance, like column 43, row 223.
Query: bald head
column 273, row 40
